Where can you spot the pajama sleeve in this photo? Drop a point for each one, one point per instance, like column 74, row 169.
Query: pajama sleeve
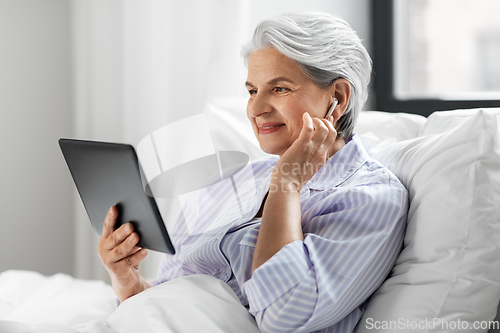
column 352, row 244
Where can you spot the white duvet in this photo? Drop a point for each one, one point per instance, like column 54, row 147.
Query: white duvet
column 30, row 302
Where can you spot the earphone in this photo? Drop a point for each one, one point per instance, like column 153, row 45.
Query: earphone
column 334, row 104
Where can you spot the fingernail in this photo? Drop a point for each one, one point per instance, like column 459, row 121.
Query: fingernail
column 127, row 227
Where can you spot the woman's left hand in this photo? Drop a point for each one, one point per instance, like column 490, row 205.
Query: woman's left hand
column 307, row 154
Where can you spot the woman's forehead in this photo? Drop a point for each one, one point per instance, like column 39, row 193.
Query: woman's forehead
column 269, row 64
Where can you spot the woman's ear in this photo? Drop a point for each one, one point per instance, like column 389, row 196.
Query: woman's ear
column 341, row 90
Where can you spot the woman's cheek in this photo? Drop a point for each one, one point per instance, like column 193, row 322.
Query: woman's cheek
column 298, row 128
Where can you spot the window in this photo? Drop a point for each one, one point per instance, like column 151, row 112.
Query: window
column 436, row 54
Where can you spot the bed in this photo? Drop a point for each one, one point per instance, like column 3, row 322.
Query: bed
column 446, row 278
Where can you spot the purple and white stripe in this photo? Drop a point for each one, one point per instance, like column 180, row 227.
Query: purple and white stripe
column 353, row 217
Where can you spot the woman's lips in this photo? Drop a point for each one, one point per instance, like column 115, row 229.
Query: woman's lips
column 267, row 128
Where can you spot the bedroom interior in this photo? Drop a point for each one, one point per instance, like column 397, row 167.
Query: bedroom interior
column 117, row 71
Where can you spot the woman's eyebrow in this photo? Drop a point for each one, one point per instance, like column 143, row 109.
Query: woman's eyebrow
column 279, row 79
column 273, row 81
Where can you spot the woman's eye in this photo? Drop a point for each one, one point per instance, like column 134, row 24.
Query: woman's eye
column 281, row 89
column 252, row 92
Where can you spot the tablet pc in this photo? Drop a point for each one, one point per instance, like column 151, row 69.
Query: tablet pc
column 107, row 174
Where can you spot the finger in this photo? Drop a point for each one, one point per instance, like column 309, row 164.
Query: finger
column 133, row 260
column 332, row 135
column 124, row 249
column 307, row 127
column 109, row 222
column 118, row 236
column 320, row 131
column 135, row 249
column 329, row 124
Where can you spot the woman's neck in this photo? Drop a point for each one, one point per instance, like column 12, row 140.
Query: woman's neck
column 338, row 144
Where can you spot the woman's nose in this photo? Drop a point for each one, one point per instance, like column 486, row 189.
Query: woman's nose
column 258, row 105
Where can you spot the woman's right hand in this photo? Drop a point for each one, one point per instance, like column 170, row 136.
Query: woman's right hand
column 121, row 256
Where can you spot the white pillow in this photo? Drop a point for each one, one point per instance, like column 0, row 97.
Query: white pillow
column 447, row 275
column 442, row 121
column 386, row 125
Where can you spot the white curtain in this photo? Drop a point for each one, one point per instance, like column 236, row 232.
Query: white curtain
column 142, row 64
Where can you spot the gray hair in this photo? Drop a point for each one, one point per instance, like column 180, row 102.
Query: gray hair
column 326, row 48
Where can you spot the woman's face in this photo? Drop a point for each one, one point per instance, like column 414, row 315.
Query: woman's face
column 279, row 94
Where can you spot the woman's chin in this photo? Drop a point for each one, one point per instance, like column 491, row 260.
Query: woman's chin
column 271, row 150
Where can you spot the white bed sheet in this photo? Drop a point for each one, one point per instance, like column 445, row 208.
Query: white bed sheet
column 30, row 302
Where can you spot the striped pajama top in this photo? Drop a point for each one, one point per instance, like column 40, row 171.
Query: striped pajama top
column 354, row 214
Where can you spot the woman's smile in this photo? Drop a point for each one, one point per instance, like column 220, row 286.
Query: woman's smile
column 267, row 128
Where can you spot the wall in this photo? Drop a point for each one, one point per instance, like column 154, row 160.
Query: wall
column 36, row 229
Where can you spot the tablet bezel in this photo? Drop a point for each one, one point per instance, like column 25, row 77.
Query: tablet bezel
column 109, row 174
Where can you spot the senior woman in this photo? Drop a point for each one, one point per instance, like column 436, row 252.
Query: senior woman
column 328, row 221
